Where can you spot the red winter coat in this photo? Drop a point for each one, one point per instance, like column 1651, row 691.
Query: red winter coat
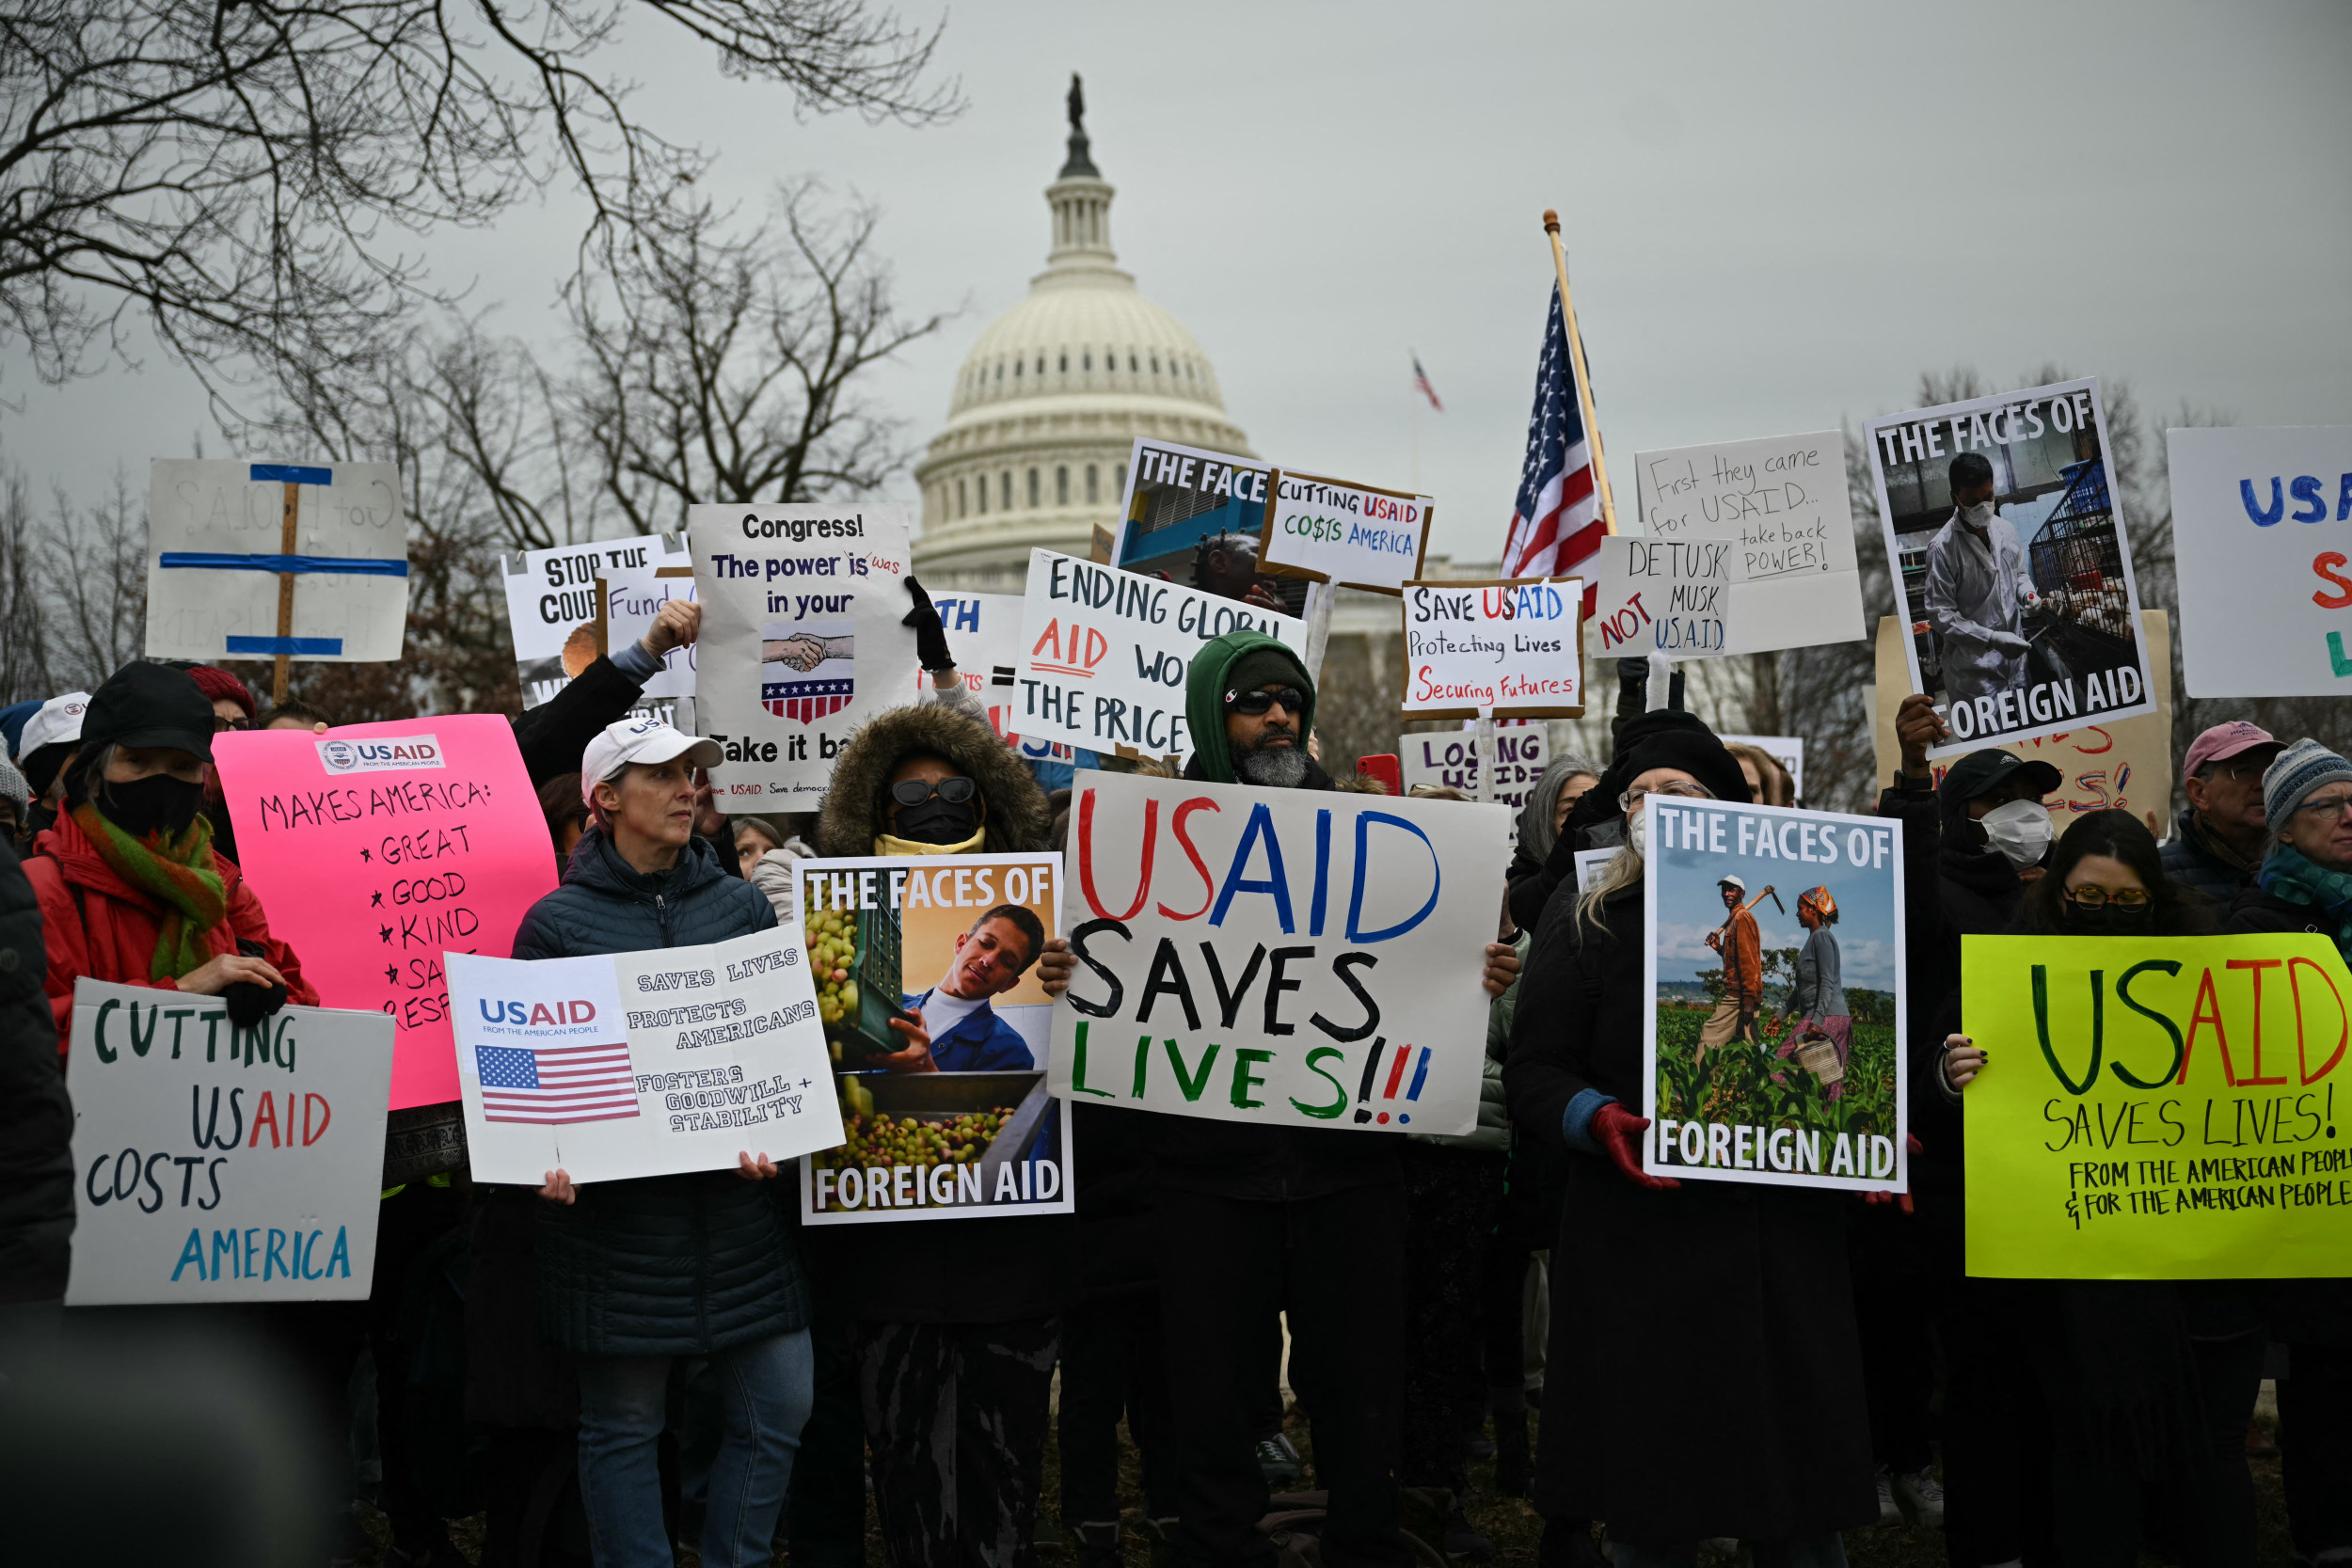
column 94, row 923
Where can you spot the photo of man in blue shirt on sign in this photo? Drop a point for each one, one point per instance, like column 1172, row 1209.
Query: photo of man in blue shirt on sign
column 954, row 1028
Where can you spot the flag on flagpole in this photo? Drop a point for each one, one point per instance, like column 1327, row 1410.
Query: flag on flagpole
column 1556, row 522
column 1420, row 384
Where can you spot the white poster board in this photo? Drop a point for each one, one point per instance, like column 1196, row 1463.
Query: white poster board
column 2258, row 527
column 2025, row 619
column 1280, row 958
column 1513, row 647
column 1792, row 578
column 640, row 1064
column 941, row 1034
column 215, row 1164
column 1455, row 760
column 1350, row 535
column 1104, row 655
column 553, row 609
column 1786, row 750
column 801, row 641
column 216, row 555
column 633, row 596
column 984, row 636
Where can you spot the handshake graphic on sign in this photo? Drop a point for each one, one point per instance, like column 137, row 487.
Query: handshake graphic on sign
column 804, row 652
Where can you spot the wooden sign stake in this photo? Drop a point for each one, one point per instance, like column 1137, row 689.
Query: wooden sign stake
column 1583, row 376
column 290, row 536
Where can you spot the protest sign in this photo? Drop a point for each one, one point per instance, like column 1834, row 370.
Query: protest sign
column 1457, row 760
column 1775, row 971
column 260, row 559
column 218, row 1163
column 1196, row 517
column 1667, row 597
column 2001, row 518
column 984, row 637
column 2118, row 764
column 554, row 610
column 1590, row 865
column 623, row 1065
column 954, row 1119
column 2157, row 1107
column 801, row 638
column 1277, row 957
column 631, row 597
column 1348, row 535
column 1513, row 647
column 375, row 848
column 2265, row 600
column 1104, row 655
column 1786, row 750
column 1793, row 578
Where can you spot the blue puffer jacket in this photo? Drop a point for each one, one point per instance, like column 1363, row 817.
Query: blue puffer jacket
column 663, row 1265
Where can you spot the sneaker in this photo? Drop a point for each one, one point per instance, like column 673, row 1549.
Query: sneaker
column 1278, row 1462
column 1921, row 1497
column 1464, row 1542
column 1890, row 1511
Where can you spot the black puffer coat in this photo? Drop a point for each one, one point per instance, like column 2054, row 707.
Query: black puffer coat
column 663, row 1265
column 36, row 1119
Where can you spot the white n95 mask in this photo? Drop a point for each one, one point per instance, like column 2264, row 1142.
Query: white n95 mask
column 2020, row 830
column 1978, row 515
column 1637, row 831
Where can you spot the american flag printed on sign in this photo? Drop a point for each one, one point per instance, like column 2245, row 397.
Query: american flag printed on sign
column 557, row 1083
column 1556, row 523
column 806, row 701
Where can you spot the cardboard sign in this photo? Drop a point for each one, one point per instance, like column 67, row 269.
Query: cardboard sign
column 633, row 597
column 1104, row 655
column 984, row 634
column 1786, row 750
column 1752, row 1073
column 801, row 631
column 2126, row 764
column 1351, row 535
column 956, row 1121
column 2025, row 618
column 1282, row 958
column 2161, row 1108
column 553, row 609
column 1669, row 596
column 1792, row 577
column 1513, row 647
column 1454, row 760
column 375, row 848
column 641, row 1064
column 218, row 1163
column 2258, row 525
column 218, row 554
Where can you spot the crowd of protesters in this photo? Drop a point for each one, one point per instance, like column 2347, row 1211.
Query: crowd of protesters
column 605, row 1371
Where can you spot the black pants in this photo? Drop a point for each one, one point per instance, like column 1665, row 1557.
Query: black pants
column 2315, row 1444
column 1111, row 1365
column 1451, row 1199
column 1893, row 1314
column 1227, row 1266
column 825, row 1510
column 1995, row 1425
column 956, row 1419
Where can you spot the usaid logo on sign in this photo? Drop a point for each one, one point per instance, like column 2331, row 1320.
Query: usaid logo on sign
column 377, row 757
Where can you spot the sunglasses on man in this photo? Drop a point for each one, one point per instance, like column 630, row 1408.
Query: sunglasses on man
column 1292, row 700
column 955, row 790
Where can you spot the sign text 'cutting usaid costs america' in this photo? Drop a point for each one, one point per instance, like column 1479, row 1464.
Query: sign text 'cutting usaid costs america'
column 1278, row 956
column 801, row 640
column 1350, row 534
column 1106, row 655
column 1510, row 647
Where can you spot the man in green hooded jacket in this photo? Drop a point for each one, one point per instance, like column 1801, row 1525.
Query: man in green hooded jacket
column 1256, row 1221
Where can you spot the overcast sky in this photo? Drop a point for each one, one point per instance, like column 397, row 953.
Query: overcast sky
column 1777, row 215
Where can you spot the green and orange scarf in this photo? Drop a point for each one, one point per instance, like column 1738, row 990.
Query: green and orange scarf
column 178, row 872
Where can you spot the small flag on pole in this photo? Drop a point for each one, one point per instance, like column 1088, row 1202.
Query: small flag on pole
column 1556, row 524
column 1420, row 384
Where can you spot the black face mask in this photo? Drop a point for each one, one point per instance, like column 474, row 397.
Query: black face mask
column 158, row 801
column 2111, row 920
column 938, row 821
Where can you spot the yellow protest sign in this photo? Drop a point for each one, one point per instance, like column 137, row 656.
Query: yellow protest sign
column 2158, row 1107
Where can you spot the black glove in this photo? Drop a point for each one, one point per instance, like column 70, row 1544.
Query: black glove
column 249, row 1004
column 930, row 636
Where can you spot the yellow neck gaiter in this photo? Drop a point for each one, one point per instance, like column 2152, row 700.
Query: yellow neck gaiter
column 885, row 844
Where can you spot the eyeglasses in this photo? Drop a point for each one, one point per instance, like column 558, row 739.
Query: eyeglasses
column 2091, row 896
column 221, row 725
column 2328, row 805
column 955, row 790
column 1680, row 788
column 1292, row 700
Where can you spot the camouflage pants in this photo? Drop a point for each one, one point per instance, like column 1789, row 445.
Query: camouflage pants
column 955, row 1423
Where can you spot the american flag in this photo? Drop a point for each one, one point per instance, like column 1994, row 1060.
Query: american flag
column 806, row 701
column 559, row 1084
column 1420, row 384
column 1556, row 523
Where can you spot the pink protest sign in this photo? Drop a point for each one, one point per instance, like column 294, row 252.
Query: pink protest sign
column 377, row 847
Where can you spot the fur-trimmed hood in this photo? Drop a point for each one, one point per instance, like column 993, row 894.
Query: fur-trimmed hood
column 1016, row 816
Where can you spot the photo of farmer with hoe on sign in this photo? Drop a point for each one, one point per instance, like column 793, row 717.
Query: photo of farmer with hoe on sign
column 1743, row 949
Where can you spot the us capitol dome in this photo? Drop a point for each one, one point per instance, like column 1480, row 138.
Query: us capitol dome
column 1051, row 399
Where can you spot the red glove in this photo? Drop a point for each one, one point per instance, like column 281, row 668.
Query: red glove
column 1618, row 1132
column 1901, row 1200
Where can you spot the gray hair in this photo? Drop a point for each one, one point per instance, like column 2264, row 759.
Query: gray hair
column 1537, row 835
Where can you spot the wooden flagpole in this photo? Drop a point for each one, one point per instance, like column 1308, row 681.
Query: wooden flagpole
column 289, row 536
column 1583, row 378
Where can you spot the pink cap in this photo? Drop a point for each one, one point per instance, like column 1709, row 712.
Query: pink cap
column 2225, row 740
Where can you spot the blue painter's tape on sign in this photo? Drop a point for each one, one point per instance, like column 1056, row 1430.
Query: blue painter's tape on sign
column 287, row 473
column 347, row 566
column 299, row 647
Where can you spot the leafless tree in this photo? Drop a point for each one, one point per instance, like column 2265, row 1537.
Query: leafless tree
column 255, row 177
column 94, row 574
column 23, row 608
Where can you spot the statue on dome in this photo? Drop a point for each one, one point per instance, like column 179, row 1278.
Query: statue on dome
column 1077, row 103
